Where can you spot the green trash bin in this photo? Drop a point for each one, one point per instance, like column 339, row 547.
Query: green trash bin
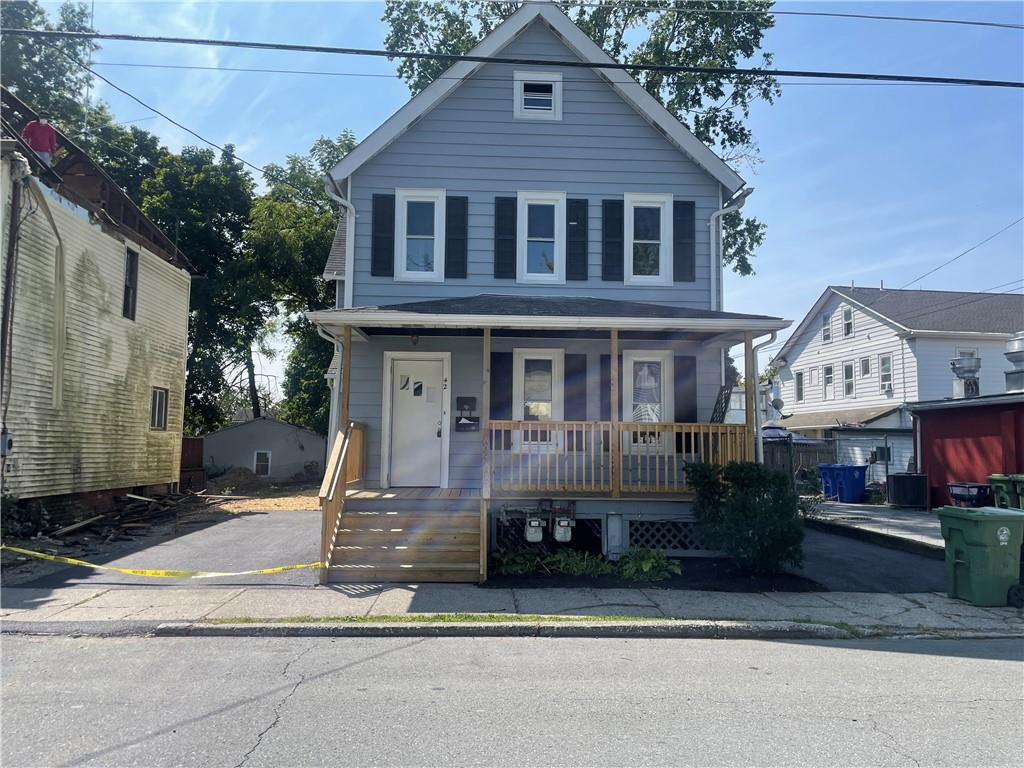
column 983, row 549
column 1018, row 486
column 1005, row 493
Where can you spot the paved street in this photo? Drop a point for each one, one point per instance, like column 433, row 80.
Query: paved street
column 407, row 701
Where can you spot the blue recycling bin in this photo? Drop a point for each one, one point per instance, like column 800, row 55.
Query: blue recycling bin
column 828, row 480
column 850, row 480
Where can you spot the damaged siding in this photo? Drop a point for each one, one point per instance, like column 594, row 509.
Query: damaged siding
column 98, row 436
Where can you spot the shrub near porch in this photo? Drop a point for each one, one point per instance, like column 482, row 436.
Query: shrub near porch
column 748, row 512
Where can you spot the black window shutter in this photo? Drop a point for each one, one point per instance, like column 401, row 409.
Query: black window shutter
column 606, row 387
column 684, row 241
column 576, row 214
column 505, row 238
column 382, row 247
column 501, row 392
column 456, row 236
column 685, row 378
column 611, row 239
column 575, row 392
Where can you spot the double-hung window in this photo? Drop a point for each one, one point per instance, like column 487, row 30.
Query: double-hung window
column 826, row 328
column 419, row 234
column 537, row 389
column 648, row 234
column 828, row 381
column 158, row 409
column 799, row 379
column 847, row 322
column 848, row 383
column 865, row 367
column 261, row 463
column 538, row 95
column 540, row 218
column 885, row 372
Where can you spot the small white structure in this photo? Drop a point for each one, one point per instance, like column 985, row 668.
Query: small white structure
column 272, row 449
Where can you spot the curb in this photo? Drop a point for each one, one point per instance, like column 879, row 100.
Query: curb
column 677, row 629
column 876, row 537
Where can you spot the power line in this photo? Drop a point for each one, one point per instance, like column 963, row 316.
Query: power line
column 826, row 14
column 390, row 54
column 963, row 253
column 390, row 76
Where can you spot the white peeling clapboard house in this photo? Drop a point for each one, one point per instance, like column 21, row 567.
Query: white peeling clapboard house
column 530, row 306
column 861, row 354
column 97, row 300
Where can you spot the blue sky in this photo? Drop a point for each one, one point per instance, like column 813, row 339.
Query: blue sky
column 858, row 183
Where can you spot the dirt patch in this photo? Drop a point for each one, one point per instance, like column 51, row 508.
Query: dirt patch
column 699, row 573
column 288, row 498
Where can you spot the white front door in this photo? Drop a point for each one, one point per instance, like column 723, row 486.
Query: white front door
column 417, row 421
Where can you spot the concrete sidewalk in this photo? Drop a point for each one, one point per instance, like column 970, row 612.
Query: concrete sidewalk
column 857, row 612
column 911, row 530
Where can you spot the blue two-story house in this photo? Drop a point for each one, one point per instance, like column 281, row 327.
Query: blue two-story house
column 529, row 306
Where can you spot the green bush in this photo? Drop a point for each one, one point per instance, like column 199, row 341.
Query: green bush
column 750, row 513
column 516, row 561
column 573, row 562
column 642, row 564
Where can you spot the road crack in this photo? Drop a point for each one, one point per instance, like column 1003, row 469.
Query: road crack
column 893, row 745
column 278, row 708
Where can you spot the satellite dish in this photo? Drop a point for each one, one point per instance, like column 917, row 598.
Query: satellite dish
column 778, row 404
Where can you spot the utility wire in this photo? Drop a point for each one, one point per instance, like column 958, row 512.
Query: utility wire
column 826, row 14
column 390, row 76
column 963, row 253
column 663, row 68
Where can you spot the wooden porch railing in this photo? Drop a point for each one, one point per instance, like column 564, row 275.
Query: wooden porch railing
column 579, row 456
column 344, row 466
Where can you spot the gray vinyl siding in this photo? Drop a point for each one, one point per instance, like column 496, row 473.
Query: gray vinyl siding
column 367, row 384
column 935, row 378
column 471, row 145
column 295, row 453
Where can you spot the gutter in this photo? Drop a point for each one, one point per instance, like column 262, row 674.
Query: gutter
column 734, row 203
column 332, row 420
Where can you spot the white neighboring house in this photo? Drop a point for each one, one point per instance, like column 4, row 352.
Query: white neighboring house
column 861, row 354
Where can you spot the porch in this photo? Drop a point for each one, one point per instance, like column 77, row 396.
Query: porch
column 436, row 461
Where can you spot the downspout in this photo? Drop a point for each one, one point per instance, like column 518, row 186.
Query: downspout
column 758, row 439
column 734, row 203
column 331, row 188
column 332, row 419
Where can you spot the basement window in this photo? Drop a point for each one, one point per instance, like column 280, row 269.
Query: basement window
column 158, row 409
column 261, row 463
column 538, row 95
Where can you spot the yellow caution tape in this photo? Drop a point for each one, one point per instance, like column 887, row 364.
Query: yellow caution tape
column 159, row 572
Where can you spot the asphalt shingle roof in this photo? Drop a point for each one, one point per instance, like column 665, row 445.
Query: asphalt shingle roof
column 557, row 306
column 943, row 310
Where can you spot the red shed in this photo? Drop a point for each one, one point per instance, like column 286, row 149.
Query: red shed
column 968, row 440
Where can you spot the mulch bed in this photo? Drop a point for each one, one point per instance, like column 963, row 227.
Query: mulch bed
column 699, row 573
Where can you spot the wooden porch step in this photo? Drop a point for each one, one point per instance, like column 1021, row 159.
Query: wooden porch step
column 420, row 506
column 361, row 574
column 448, row 521
column 399, row 557
column 405, row 537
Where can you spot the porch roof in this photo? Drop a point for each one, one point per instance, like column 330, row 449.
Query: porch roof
column 545, row 312
column 836, row 419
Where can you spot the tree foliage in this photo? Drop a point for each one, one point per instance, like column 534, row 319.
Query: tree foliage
column 656, row 32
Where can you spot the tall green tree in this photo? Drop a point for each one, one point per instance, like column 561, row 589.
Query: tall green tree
column 708, row 33
column 290, row 233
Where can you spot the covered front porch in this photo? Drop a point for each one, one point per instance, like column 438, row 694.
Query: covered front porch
column 491, row 399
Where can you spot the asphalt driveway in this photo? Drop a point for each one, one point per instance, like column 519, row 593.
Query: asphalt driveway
column 251, row 540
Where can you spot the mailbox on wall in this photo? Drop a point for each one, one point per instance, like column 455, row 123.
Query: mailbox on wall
column 465, row 421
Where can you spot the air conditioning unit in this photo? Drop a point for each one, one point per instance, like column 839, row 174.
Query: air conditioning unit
column 887, row 389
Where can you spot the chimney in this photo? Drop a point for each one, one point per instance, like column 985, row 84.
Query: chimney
column 1015, row 354
column 966, row 382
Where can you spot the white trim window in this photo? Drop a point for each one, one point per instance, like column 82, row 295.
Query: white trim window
column 158, row 409
column 538, row 95
column 828, row 386
column 419, row 235
column 847, row 322
column 826, row 328
column 648, row 393
column 865, row 367
column 966, row 352
column 540, row 221
column 798, row 379
column 538, row 378
column 849, row 386
column 648, row 237
column 885, row 373
column 261, row 463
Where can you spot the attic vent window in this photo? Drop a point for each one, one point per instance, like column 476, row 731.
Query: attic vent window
column 538, row 95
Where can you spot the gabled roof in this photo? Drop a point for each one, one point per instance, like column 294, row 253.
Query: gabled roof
column 925, row 312
column 257, row 420
column 586, row 49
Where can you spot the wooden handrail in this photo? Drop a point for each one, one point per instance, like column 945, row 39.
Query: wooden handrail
column 345, row 466
column 605, row 456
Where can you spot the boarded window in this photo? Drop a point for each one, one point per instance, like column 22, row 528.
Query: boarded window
column 158, row 409
column 261, row 464
column 131, row 283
